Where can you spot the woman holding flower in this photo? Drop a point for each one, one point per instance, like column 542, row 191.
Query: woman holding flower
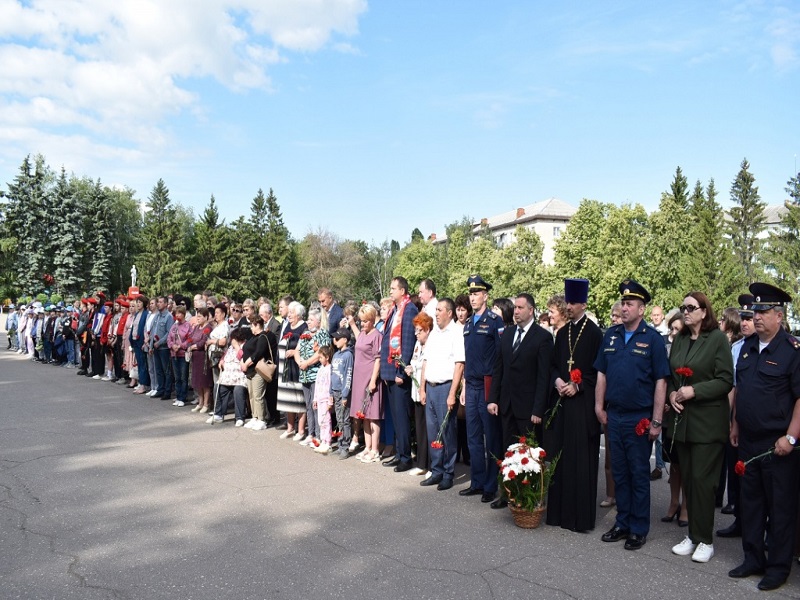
column 423, row 324
column 290, row 392
column 307, row 358
column 702, row 376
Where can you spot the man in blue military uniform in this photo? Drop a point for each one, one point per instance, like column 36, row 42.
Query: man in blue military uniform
column 632, row 370
column 767, row 416
column 484, row 438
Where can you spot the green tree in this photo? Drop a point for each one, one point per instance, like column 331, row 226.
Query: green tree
column 329, row 261
column 126, row 225
column 679, row 188
column 161, row 263
column 67, row 237
column 747, row 222
column 100, row 230
column 280, row 256
column 784, row 246
column 213, row 250
column 417, row 261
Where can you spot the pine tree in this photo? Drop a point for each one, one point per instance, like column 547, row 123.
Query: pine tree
column 101, row 230
column 747, row 222
column 66, row 235
column 679, row 189
column 279, row 257
column 213, row 251
column 161, row 262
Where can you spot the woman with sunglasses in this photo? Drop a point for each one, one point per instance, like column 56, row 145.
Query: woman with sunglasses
column 702, row 376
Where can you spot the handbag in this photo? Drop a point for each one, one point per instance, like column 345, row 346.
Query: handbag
column 266, row 368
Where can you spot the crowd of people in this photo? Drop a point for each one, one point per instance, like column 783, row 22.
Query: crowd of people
column 417, row 383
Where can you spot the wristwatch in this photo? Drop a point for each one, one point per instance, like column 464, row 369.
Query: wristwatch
column 655, row 423
column 791, row 439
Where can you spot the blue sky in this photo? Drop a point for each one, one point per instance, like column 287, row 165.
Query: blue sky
column 372, row 118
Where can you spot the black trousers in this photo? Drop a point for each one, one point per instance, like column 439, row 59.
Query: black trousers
column 769, row 490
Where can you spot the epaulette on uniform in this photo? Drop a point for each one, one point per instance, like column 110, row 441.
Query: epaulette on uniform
column 491, row 315
column 794, row 342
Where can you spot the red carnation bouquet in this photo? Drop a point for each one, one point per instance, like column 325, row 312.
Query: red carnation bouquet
column 365, row 402
column 684, row 373
column 576, row 377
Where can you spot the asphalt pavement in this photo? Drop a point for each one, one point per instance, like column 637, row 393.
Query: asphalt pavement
column 104, row 494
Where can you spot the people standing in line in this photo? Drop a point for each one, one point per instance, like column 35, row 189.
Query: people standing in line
column 631, row 387
column 341, row 389
column 367, row 397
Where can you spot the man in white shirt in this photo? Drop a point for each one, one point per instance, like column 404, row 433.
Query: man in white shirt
column 427, row 295
column 442, row 370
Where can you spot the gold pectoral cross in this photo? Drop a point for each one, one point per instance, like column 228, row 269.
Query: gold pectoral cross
column 570, row 362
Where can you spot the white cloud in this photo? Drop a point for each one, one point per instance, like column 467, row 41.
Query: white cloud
column 109, row 74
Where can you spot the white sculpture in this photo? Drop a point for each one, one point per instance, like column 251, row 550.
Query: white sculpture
column 133, row 276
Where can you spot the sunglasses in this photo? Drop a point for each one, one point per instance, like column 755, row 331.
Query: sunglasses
column 688, row 308
column 236, row 310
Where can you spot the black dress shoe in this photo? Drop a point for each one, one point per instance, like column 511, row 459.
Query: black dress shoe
column 488, row 496
column 745, row 570
column 81, row 372
column 655, row 474
column 446, row 484
column 771, row 582
column 682, row 523
column 392, row 462
column 432, row 480
column 470, row 491
column 499, row 503
column 731, row 531
column 635, row 541
column 403, row 466
column 615, row 534
column 727, row 509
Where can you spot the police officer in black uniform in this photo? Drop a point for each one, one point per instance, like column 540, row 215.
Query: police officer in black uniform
column 767, row 416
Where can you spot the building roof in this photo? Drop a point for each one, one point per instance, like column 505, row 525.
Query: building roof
column 550, row 209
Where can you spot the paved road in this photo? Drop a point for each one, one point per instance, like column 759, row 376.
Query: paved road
column 108, row 495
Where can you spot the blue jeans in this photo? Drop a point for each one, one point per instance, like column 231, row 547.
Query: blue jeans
column 163, row 366
column 181, row 369
column 484, row 439
column 443, row 460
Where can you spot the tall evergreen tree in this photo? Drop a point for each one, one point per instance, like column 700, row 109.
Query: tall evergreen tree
column 747, row 222
column 100, row 242
column 280, row 256
column 213, row 250
column 679, row 188
column 161, row 262
column 67, row 237
column 784, row 246
column 126, row 224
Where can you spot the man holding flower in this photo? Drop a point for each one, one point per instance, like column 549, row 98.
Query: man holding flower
column 573, row 429
column 631, row 387
column 767, row 417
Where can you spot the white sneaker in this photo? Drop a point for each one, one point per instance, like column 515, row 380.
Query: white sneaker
column 307, row 441
column 106, row 378
column 298, row 436
column 685, row 548
column 703, row 553
column 416, row 471
column 213, row 419
column 258, row 425
column 152, row 393
column 287, row 434
column 353, row 445
column 179, row 403
column 323, row 449
column 239, row 423
column 96, row 377
column 196, row 409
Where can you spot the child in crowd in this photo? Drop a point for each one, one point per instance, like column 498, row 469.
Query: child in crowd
column 323, row 402
column 341, row 381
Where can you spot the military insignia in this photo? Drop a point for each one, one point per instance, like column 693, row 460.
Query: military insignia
column 744, row 355
column 642, row 345
column 612, row 338
column 769, row 362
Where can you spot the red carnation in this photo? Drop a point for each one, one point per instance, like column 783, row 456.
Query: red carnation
column 739, row 468
column 525, row 482
column 684, row 371
column 522, row 440
column 315, row 442
column 542, row 455
column 576, row 376
column 642, row 426
column 509, row 454
column 437, row 444
column 499, row 463
column 360, row 415
column 286, row 336
column 525, row 460
column 511, row 474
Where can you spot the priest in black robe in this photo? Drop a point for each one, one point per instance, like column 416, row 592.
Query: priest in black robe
column 574, row 430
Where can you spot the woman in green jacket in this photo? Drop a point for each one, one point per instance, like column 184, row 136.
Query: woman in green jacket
column 702, row 376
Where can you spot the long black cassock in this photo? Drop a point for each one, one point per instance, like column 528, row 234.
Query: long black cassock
column 575, row 430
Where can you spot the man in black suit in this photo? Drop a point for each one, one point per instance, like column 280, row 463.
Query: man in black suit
column 270, row 322
column 520, row 384
column 332, row 308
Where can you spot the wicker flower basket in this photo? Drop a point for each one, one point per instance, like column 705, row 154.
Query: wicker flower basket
column 527, row 519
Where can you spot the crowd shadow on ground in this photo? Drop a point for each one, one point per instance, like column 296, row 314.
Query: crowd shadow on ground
column 114, row 495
